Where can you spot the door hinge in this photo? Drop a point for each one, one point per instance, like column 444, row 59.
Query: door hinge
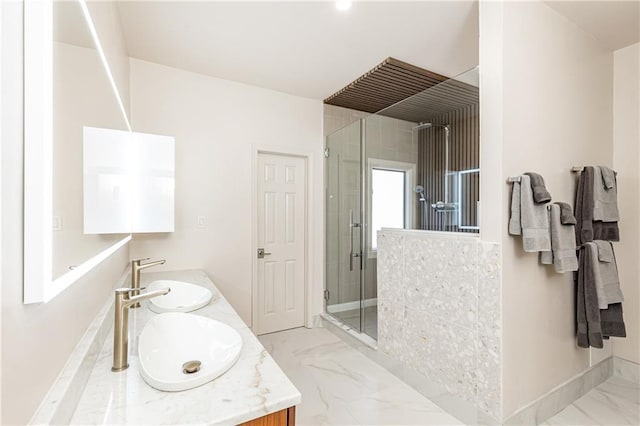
column 326, row 295
column 326, row 153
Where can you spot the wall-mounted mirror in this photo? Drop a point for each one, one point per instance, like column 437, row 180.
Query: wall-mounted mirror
column 82, row 96
column 68, row 85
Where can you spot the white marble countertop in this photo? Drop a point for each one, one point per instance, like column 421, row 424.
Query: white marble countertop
column 253, row 387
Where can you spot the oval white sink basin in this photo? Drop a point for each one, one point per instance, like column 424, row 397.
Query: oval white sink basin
column 184, row 297
column 175, row 341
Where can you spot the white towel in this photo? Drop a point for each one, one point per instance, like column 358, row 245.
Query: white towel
column 605, row 195
column 534, row 219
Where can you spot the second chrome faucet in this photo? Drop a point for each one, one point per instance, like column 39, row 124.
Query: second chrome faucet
column 136, row 267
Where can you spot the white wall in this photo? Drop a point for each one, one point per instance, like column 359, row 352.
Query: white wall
column 36, row 339
column 491, row 120
column 106, row 19
column 218, row 124
column 626, row 160
column 554, row 85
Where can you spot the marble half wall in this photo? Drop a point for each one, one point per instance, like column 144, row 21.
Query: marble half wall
column 439, row 311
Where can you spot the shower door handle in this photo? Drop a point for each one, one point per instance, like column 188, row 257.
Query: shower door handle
column 352, row 255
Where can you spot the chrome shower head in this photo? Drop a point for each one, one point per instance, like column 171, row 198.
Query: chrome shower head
column 421, row 126
column 419, row 189
column 424, row 125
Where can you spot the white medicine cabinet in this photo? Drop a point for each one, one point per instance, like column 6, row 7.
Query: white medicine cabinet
column 129, row 182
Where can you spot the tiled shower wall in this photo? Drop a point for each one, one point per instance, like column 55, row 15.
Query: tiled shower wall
column 439, row 311
column 463, row 155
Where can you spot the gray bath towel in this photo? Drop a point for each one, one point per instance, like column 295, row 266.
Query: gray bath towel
column 586, row 228
column 563, row 243
column 534, row 219
column 540, row 193
column 605, row 198
column 593, row 323
column 608, row 177
column 612, row 321
column 566, row 214
column 589, row 329
column 606, row 273
column 515, row 228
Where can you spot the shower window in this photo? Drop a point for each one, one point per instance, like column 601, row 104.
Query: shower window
column 390, row 200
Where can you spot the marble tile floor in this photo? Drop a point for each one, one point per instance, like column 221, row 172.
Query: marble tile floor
column 352, row 319
column 341, row 386
column 614, row 402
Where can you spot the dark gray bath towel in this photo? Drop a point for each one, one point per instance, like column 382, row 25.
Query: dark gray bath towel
column 566, row 214
column 589, row 330
column 540, row 193
column 584, row 207
column 586, row 228
column 612, row 322
column 593, row 323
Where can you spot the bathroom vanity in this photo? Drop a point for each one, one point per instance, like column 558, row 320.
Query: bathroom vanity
column 254, row 391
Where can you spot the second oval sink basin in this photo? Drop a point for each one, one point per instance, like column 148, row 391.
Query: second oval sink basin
column 181, row 351
column 184, row 297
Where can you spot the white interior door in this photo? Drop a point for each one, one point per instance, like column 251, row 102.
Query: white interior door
column 281, row 233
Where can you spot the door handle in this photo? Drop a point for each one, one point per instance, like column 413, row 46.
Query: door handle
column 262, row 253
column 353, row 256
column 352, row 225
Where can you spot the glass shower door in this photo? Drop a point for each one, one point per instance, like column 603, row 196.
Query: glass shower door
column 343, row 258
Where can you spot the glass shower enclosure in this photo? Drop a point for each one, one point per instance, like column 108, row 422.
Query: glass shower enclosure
column 414, row 165
column 344, row 202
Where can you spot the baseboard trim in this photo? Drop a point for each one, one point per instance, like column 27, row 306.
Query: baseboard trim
column 626, row 369
column 563, row 395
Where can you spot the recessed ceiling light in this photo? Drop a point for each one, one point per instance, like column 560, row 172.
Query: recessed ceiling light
column 343, row 4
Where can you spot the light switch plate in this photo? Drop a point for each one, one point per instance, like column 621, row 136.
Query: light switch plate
column 202, row 222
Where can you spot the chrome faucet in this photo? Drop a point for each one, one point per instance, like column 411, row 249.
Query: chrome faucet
column 121, row 327
column 136, row 267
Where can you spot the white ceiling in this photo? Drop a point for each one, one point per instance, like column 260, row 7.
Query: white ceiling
column 615, row 24
column 308, row 49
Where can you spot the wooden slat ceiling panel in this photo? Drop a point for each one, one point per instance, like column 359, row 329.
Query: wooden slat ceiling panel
column 441, row 99
column 398, row 89
column 386, row 84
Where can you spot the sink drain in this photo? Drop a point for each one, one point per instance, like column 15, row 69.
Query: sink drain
column 191, row 367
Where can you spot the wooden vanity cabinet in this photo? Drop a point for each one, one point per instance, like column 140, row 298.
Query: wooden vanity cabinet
column 286, row 417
